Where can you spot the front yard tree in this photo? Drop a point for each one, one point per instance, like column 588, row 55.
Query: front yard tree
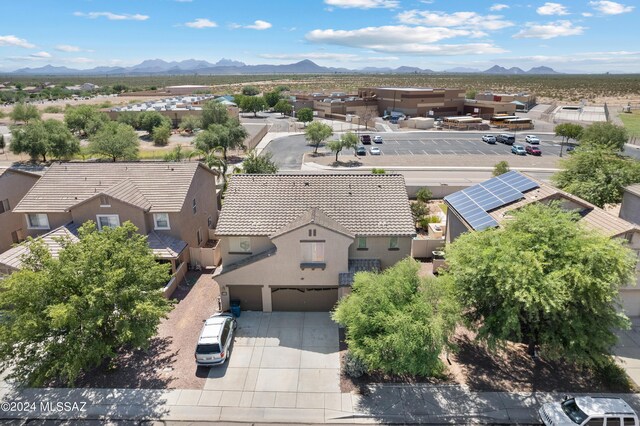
column 115, row 141
column 316, row 133
column 39, row 139
column 604, row 135
column 65, row 316
column 305, row 115
column 283, row 107
column 597, row 175
column 543, row 280
column 397, row 322
column 259, row 164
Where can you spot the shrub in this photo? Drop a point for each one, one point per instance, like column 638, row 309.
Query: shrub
column 52, row 109
column 424, row 195
column 353, row 366
column 378, row 171
column 501, row 168
column 418, row 209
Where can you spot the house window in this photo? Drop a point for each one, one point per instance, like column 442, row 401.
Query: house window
column 108, row 220
column 312, row 232
column 312, row 252
column 393, row 243
column 199, row 236
column 362, row 243
column 104, row 201
column 37, row 221
column 240, row 245
column 210, row 222
column 161, row 221
column 4, row 206
column 194, row 207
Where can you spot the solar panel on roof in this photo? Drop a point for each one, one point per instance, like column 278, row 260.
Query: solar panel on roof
column 518, row 181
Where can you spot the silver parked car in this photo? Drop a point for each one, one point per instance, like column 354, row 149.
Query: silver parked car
column 215, row 340
column 588, row 410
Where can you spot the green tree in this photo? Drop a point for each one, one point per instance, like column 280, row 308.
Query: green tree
column 283, row 106
column 213, row 113
column 177, row 154
column 130, row 118
column 190, row 122
column 272, row 98
column 305, row 115
column 604, row 135
column 418, row 209
column 161, row 135
column 597, row 175
column 316, row 133
column 559, row 293
column 24, row 112
column 471, row 94
column 500, row 168
column 85, row 120
column 149, row 120
column 568, row 131
column 253, row 104
column 347, row 141
column 65, row 316
column 250, row 90
column 116, row 141
column 397, row 322
column 259, row 164
column 39, row 139
column 225, row 137
column 424, row 195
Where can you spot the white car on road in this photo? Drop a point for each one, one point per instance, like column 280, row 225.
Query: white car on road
column 532, row 139
column 377, row 139
column 374, row 150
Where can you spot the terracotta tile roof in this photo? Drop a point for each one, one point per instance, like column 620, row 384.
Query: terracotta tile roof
column 363, row 204
column 12, row 258
column 154, row 186
column 313, row 215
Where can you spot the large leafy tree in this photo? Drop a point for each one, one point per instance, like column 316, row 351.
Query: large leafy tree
column 544, row 280
column 62, row 317
column 283, row 107
column 161, row 135
column 24, row 112
column 190, row 122
column 213, row 113
column 116, row 141
column 397, row 322
column 253, row 104
column 272, row 98
column 569, row 131
column 597, row 175
column 250, row 90
column 84, row 120
column 305, row 115
column 39, row 139
column 316, row 133
column 259, row 164
column 604, row 135
column 224, row 136
column 347, row 141
column 149, row 120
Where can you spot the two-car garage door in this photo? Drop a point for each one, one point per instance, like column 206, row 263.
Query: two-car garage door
column 319, row 299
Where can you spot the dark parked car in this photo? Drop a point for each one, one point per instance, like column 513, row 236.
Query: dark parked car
column 533, row 150
column 365, row 139
column 361, row 150
column 506, row 139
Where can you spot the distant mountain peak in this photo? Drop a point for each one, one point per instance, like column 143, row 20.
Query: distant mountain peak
column 224, row 62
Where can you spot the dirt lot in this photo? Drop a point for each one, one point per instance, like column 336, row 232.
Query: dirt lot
column 168, row 363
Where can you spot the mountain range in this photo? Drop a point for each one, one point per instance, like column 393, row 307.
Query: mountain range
column 231, row 67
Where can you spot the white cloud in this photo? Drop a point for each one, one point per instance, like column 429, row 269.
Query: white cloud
column 549, row 30
column 552, row 9
column 41, row 55
column 201, row 23
column 67, row 48
column 113, row 16
column 610, row 7
column 364, row 4
column 456, row 19
column 11, row 40
column 498, row 6
column 404, row 39
column 259, row 25
column 587, row 14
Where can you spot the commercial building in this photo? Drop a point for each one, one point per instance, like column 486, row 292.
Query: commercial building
column 423, row 102
column 520, row 101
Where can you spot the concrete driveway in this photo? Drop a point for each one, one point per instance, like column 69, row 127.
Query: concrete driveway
column 280, row 360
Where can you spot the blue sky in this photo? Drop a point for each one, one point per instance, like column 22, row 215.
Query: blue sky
column 568, row 35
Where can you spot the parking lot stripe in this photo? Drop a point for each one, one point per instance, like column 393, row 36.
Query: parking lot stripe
column 439, row 152
column 397, row 153
column 410, row 152
column 425, row 152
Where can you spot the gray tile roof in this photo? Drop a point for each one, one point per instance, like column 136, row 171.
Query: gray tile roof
column 634, row 189
column 345, row 279
column 165, row 246
column 316, row 216
column 153, row 186
column 12, row 258
column 363, row 204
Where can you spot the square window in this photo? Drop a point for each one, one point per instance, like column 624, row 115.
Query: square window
column 108, row 220
column 161, row 221
column 4, row 206
column 37, row 221
column 362, row 243
column 393, row 242
column 312, row 252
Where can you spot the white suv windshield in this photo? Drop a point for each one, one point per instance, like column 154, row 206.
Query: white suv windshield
column 572, row 411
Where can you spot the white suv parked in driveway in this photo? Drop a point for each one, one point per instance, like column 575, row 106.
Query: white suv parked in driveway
column 588, row 411
column 215, row 340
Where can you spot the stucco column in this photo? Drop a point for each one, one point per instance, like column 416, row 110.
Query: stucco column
column 266, row 299
column 224, row 298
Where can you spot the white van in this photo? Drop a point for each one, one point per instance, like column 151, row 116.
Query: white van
column 215, row 340
column 588, row 411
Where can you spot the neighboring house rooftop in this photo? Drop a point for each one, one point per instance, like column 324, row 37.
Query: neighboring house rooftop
column 165, row 246
column 12, row 258
column 151, row 186
column 634, row 189
column 4, row 170
column 366, row 205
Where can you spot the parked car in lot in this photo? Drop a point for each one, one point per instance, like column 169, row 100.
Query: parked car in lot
column 506, row 139
column 532, row 139
column 490, row 139
column 365, row 139
column 377, row 139
column 215, row 340
column 518, row 150
column 588, row 410
column 374, row 150
column 533, row 150
column 361, row 150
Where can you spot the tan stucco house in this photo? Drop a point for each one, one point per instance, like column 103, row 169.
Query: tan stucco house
column 468, row 215
column 14, row 184
column 173, row 204
column 293, row 242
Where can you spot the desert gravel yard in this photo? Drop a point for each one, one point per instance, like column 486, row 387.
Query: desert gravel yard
column 169, row 361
